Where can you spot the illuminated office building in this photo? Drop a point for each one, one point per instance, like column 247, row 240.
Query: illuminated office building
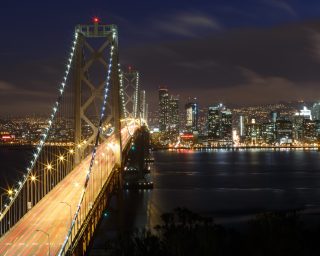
column 253, row 133
column 309, row 131
column 284, row 131
column 268, row 132
column 192, row 115
column 163, row 109
column 219, row 125
column 173, row 121
column 315, row 111
column 305, row 112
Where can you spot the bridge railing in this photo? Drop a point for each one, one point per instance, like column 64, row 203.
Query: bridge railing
column 102, row 170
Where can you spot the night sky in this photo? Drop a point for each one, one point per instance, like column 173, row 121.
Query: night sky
column 238, row 52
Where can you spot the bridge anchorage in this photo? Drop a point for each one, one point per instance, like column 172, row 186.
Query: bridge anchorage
column 82, row 157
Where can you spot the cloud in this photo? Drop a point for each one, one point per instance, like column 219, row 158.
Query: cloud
column 6, row 86
column 282, row 5
column 188, row 24
column 258, row 89
column 314, row 48
column 282, row 59
column 197, row 65
column 8, row 89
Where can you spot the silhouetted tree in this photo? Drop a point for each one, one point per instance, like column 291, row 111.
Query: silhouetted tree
column 184, row 233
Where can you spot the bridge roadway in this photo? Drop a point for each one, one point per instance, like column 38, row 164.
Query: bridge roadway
column 51, row 216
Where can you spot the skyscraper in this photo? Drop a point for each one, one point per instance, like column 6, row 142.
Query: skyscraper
column 253, row 133
column 268, row 132
column 163, row 109
column 242, row 126
column 305, row 112
column 173, row 121
column 226, row 126
column 297, row 127
column 309, row 131
column 274, row 115
column 220, row 125
column 316, row 111
column 214, row 122
column 192, row 115
column 284, row 131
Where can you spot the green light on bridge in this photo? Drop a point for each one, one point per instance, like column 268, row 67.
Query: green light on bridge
column 106, row 214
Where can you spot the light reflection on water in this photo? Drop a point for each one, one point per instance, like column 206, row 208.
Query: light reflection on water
column 231, row 186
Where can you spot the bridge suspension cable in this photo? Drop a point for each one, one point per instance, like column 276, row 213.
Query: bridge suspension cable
column 123, row 103
column 24, row 195
column 77, row 220
column 54, row 158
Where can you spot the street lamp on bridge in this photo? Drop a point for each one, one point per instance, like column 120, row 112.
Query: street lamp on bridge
column 9, row 193
column 47, row 234
column 69, row 205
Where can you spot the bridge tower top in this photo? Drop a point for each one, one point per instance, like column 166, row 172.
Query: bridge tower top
column 96, row 29
column 93, row 68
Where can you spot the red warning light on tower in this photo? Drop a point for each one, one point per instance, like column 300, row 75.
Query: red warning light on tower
column 96, row 20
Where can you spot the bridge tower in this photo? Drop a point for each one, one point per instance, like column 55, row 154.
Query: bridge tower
column 90, row 73
column 92, row 102
column 130, row 82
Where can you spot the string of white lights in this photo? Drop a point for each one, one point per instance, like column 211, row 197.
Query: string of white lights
column 136, row 93
column 122, row 92
column 102, row 114
column 123, row 99
column 17, row 189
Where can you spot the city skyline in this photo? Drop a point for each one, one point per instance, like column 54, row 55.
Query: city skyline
column 217, row 125
column 220, row 51
column 113, row 114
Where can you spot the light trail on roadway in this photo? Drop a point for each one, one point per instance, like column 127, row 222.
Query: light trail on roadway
column 49, row 215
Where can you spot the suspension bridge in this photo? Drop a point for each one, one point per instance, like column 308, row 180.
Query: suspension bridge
column 55, row 207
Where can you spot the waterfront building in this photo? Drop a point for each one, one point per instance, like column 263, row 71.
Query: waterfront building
column 192, row 113
column 315, row 111
column 219, row 125
column 243, row 122
column 173, row 121
column 268, row 132
column 226, row 127
column 241, row 127
column 202, row 121
column 284, row 131
column 163, row 109
column 309, row 131
column 253, row 133
column 297, row 128
column 214, row 122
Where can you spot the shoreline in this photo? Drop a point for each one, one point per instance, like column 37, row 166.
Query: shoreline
column 235, row 148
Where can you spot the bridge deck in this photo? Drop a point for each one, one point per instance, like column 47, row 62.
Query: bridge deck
column 50, row 215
